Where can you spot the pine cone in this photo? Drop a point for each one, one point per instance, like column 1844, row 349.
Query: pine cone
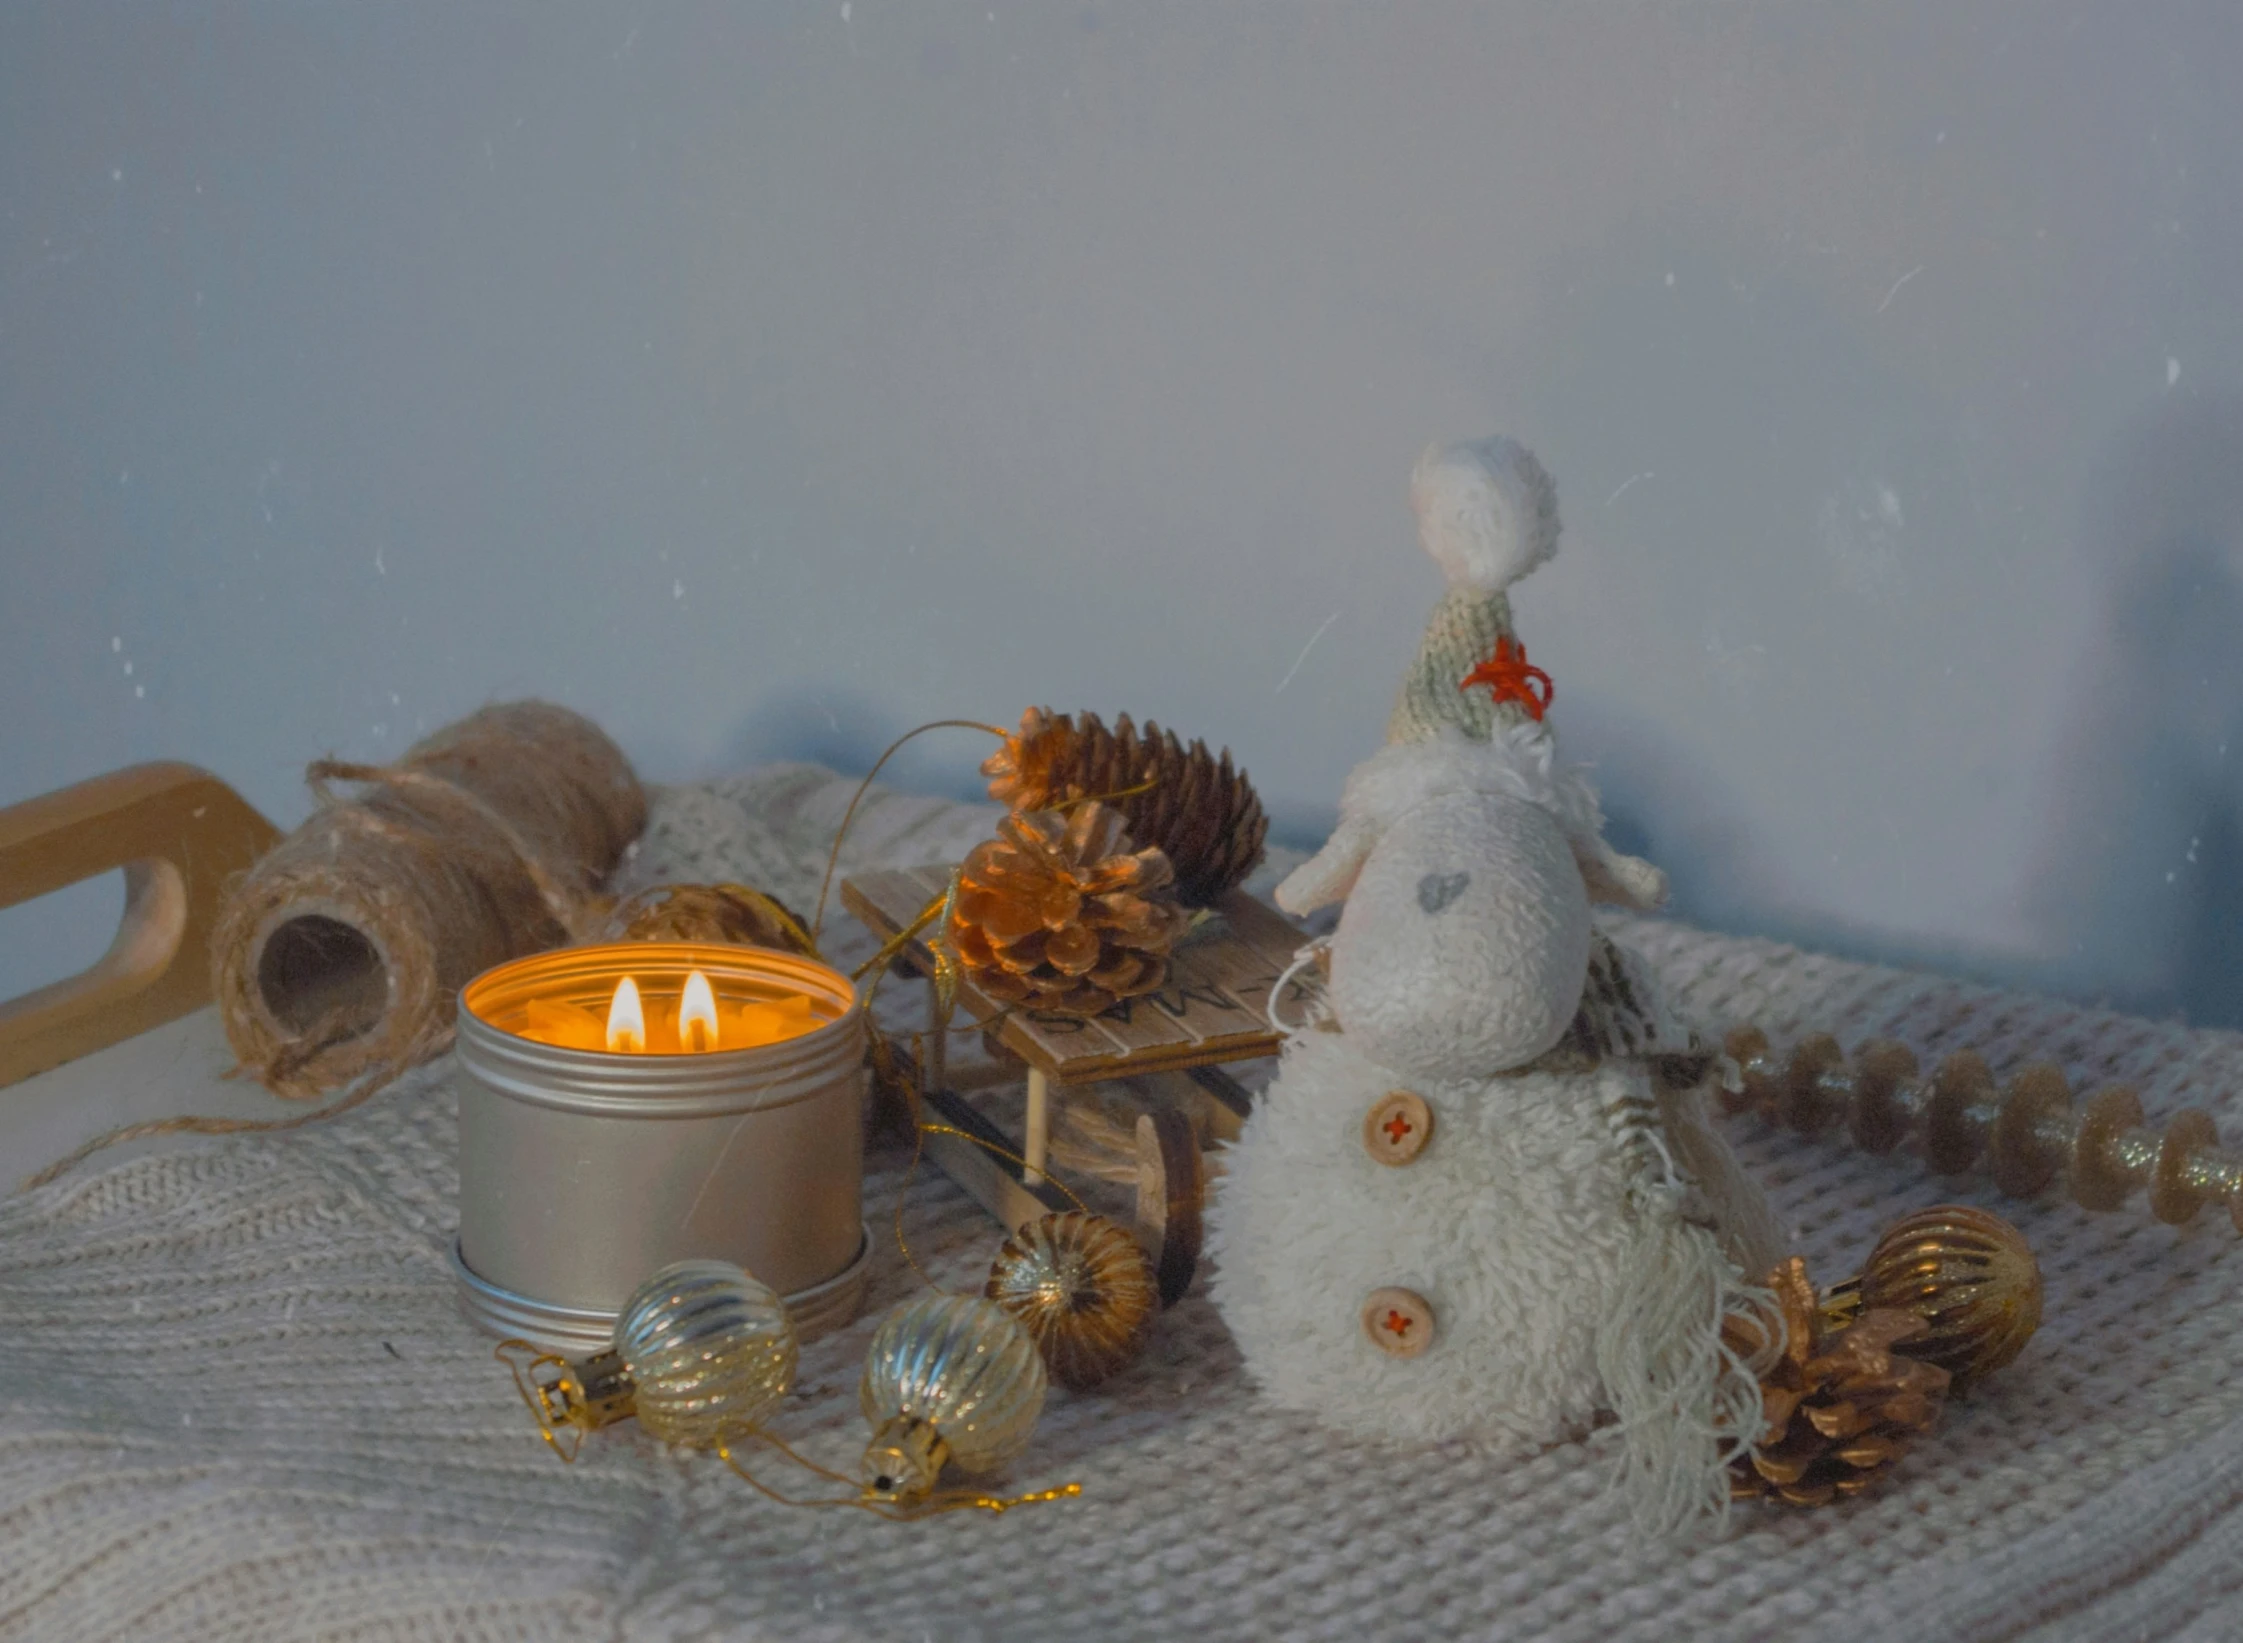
column 730, row 914
column 1196, row 809
column 1840, row 1405
column 1058, row 913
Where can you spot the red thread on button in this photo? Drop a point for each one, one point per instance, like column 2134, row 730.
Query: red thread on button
column 1396, row 1322
column 1397, row 1127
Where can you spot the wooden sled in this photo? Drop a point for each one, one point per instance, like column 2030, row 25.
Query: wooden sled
column 1159, row 1057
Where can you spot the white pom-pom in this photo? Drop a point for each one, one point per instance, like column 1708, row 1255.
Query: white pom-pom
column 1487, row 512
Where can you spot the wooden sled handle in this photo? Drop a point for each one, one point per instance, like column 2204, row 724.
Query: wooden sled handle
column 180, row 834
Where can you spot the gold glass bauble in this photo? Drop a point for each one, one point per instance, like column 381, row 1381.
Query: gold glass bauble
column 948, row 1377
column 731, row 914
column 709, row 1350
column 1082, row 1288
column 1969, row 1275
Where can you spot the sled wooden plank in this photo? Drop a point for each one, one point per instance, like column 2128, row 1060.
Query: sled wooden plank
column 1241, row 975
column 991, row 1177
column 1260, row 928
column 1206, row 1015
column 1197, row 996
column 1136, row 1026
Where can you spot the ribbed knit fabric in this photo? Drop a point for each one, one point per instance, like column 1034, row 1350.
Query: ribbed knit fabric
column 1459, row 636
column 238, row 1403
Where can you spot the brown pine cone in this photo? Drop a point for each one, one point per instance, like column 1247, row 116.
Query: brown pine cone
column 729, row 914
column 1195, row 808
column 1059, row 913
column 1840, row 1405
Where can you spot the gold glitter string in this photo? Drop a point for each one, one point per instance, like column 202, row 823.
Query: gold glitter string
column 904, row 937
column 888, row 1511
column 522, row 1358
column 833, row 860
column 1069, row 806
column 918, row 1150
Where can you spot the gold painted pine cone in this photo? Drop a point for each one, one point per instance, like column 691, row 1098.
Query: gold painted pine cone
column 1060, row 913
column 1083, row 1288
column 1840, row 1405
column 728, row 914
column 1195, row 808
column 1969, row 1275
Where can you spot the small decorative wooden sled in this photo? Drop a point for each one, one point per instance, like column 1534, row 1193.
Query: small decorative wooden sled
column 1159, row 1057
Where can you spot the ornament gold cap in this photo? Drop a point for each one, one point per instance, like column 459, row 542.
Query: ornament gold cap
column 588, row 1393
column 904, row 1458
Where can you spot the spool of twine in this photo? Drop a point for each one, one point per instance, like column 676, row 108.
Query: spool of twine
column 341, row 954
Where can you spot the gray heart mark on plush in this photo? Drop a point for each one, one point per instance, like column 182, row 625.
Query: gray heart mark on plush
column 1436, row 890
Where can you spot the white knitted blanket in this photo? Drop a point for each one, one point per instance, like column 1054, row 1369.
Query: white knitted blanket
column 238, row 1403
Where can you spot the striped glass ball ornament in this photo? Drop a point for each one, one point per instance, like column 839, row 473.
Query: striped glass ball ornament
column 1082, row 1288
column 1969, row 1275
column 947, row 1378
column 709, row 1350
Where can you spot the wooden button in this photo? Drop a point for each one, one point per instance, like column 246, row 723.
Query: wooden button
column 1398, row 1321
column 1397, row 1127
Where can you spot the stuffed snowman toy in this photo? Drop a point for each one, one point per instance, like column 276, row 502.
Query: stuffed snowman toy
column 1482, row 1199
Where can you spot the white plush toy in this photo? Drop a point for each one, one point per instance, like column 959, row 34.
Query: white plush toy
column 1482, row 1198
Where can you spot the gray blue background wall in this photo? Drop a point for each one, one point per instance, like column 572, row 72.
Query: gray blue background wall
column 765, row 380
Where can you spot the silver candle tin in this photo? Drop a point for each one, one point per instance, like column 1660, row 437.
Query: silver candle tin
column 581, row 1172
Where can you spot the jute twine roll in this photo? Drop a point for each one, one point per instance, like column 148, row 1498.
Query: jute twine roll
column 342, row 952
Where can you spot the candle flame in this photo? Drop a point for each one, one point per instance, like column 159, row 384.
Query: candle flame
column 626, row 1020
column 697, row 1014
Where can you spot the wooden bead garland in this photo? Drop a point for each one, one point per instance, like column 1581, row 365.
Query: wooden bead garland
column 2026, row 1134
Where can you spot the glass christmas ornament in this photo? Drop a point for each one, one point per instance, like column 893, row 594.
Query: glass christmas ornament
column 1084, row 1291
column 1969, row 1275
column 701, row 1349
column 947, row 1378
column 706, row 1349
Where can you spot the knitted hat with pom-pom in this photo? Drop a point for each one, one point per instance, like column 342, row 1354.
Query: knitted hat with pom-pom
column 1488, row 513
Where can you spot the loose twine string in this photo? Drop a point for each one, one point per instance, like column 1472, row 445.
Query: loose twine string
column 372, row 1085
